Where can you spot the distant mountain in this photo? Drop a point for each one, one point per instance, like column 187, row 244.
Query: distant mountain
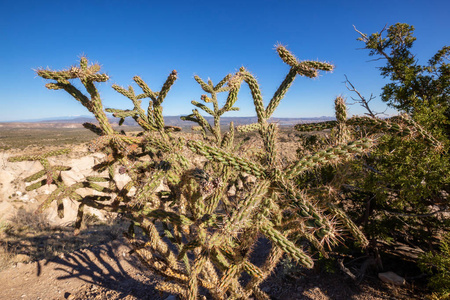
column 62, row 119
column 169, row 120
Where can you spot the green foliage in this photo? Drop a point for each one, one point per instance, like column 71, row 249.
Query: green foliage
column 406, row 188
column 202, row 226
column 438, row 264
column 403, row 190
column 413, row 87
column 327, row 265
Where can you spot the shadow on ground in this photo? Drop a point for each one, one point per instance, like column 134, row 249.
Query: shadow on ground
column 108, row 272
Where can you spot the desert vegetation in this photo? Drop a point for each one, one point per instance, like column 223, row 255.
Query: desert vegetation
column 197, row 206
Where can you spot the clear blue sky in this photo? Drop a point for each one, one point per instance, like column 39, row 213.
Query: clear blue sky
column 204, row 38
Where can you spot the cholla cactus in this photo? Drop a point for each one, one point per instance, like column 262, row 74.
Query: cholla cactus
column 88, row 75
column 216, row 112
column 153, row 120
column 199, row 238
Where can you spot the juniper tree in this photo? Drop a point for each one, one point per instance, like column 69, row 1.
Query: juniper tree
column 421, row 90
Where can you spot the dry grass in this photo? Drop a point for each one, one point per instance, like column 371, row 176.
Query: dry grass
column 6, row 254
column 28, row 236
column 21, row 137
column 6, row 257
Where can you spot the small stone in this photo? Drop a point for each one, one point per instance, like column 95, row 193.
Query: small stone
column 231, row 191
column 171, row 297
column 392, row 278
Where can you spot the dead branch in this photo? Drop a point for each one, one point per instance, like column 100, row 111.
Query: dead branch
column 362, row 100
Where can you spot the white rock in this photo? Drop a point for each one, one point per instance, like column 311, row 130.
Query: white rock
column 231, row 191
column 392, row 278
column 70, row 212
column 25, row 198
column 121, row 179
column 71, row 177
column 83, row 164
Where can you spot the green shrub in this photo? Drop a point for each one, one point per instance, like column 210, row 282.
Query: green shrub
column 438, row 264
column 403, row 186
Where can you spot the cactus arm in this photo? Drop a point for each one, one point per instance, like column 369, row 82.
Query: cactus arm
column 166, row 87
column 35, row 176
column 197, row 268
column 249, row 127
column 329, row 155
column 94, row 128
column 215, row 154
column 70, row 89
column 348, row 223
column 206, row 87
column 256, row 94
column 286, row 245
column 316, row 126
column 228, row 137
column 281, row 92
column 87, row 76
column 202, row 121
column 147, row 91
column 234, row 85
column 241, row 217
column 203, row 107
column 222, row 82
column 39, row 156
